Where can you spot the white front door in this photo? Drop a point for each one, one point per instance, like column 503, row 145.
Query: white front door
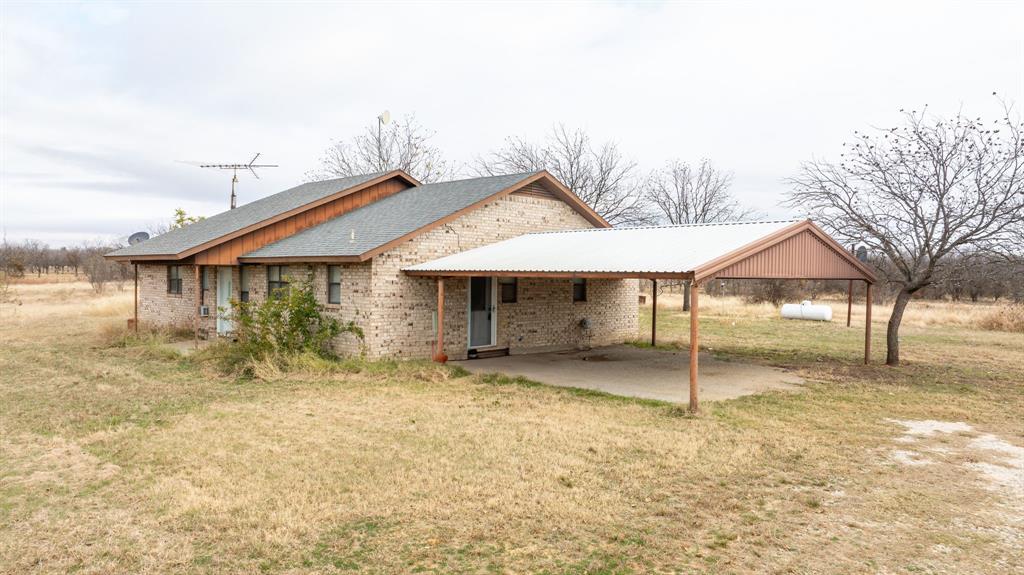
column 482, row 321
column 224, row 290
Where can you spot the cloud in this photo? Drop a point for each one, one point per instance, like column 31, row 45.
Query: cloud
column 100, row 99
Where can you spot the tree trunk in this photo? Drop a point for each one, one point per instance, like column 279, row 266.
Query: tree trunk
column 892, row 334
column 686, row 295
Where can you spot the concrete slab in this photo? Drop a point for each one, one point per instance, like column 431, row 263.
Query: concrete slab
column 635, row 372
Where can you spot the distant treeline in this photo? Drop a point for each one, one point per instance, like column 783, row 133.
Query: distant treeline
column 32, row 257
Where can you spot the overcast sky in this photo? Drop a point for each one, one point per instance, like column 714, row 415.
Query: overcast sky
column 99, row 100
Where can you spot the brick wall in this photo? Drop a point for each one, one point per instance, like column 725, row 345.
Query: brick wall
column 397, row 312
column 403, row 307
column 545, row 317
column 355, row 302
column 354, row 306
column 157, row 308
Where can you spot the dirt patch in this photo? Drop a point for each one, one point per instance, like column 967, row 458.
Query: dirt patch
column 33, row 459
column 997, row 465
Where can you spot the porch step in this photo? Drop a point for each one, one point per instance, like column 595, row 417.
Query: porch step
column 485, row 352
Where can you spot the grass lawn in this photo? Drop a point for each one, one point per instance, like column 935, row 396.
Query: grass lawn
column 129, row 458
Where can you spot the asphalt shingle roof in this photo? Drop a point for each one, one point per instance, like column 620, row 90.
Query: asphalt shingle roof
column 213, row 227
column 387, row 219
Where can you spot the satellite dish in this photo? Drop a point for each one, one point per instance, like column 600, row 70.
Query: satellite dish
column 137, row 237
column 385, row 117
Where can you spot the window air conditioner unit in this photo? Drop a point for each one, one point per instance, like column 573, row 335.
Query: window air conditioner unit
column 204, row 311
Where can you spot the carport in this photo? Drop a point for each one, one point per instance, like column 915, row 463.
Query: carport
column 778, row 250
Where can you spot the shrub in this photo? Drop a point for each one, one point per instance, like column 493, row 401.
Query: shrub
column 288, row 323
column 775, row 292
column 6, row 292
column 1006, row 318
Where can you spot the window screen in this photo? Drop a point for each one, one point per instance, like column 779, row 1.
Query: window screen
column 174, row 279
column 205, row 287
column 333, row 284
column 243, row 280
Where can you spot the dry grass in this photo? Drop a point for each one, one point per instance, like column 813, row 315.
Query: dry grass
column 1006, row 318
column 994, row 316
column 120, row 459
column 48, row 279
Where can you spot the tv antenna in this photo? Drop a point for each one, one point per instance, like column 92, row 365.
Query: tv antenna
column 234, row 171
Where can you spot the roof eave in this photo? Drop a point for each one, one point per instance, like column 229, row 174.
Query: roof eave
column 551, row 274
column 274, row 260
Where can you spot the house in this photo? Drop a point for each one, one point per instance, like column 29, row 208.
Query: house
column 354, row 237
column 495, row 265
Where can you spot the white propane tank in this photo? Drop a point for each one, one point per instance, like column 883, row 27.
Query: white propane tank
column 807, row 310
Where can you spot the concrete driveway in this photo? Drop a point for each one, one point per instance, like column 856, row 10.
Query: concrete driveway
column 634, row 372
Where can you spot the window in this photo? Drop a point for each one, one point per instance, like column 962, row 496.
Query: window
column 174, row 279
column 333, row 284
column 579, row 289
column 205, row 287
column 277, row 280
column 509, row 288
column 243, row 282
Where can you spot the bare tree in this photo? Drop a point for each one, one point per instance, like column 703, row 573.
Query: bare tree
column 100, row 271
column 400, row 145
column 681, row 194
column 600, row 176
column 73, row 258
column 920, row 194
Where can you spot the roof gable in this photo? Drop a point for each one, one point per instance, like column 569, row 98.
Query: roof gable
column 800, row 251
column 222, row 227
column 369, row 230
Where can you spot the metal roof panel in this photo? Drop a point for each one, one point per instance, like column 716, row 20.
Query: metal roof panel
column 678, row 249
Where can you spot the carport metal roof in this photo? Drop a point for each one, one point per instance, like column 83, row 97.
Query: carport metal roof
column 734, row 250
column 767, row 249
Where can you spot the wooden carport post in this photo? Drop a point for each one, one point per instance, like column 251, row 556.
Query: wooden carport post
column 439, row 355
column 849, row 302
column 694, row 345
column 654, row 313
column 198, row 294
column 136, row 320
column 867, row 323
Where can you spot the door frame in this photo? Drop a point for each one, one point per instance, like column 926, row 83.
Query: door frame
column 224, row 324
column 469, row 312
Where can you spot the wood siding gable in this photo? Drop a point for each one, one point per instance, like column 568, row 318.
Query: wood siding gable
column 227, row 252
column 801, row 251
